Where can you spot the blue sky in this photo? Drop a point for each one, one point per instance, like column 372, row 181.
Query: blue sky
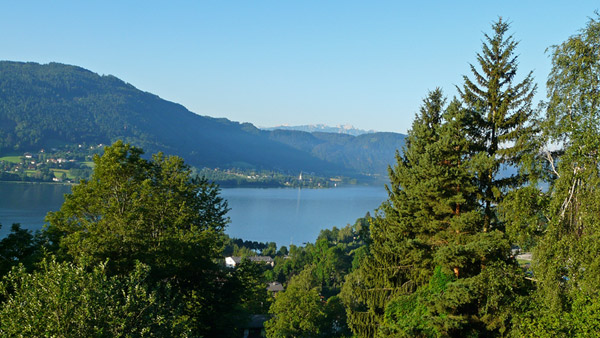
column 365, row 63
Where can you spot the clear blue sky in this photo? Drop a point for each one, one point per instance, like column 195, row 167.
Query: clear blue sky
column 365, row 63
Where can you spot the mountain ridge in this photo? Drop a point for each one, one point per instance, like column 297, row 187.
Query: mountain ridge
column 40, row 104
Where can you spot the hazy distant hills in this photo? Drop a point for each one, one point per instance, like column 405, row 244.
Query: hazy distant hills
column 339, row 129
column 366, row 153
column 55, row 103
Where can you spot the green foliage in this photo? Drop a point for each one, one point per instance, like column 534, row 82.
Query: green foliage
column 564, row 220
column 334, row 254
column 430, row 207
column 581, row 319
column 254, row 296
column 566, row 260
column 240, row 247
column 499, row 112
column 456, row 307
column 442, row 211
column 20, row 246
column 65, row 300
column 329, row 260
column 147, row 210
column 155, row 212
column 298, row 311
column 409, row 315
column 523, row 211
column 301, row 311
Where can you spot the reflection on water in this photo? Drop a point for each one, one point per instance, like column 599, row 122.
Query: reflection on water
column 298, row 201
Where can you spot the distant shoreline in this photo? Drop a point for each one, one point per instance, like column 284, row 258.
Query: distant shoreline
column 33, row 182
column 220, row 186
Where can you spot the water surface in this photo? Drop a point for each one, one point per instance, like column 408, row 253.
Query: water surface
column 28, row 203
column 295, row 216
column 285, row 216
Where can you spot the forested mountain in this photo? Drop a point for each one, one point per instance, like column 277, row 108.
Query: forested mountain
column 53, row 104
column 367, row 153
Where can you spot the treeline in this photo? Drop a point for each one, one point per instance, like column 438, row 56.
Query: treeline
column 440, row 262
column 368, row 154
column 233, row 178
column 45, row 105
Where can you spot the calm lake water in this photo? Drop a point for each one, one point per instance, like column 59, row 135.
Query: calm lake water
column 284, row 216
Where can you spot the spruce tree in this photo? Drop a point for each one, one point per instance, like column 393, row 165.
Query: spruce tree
column 473, row 281
column 432, row 218
column 440, row 263
column 500, row 111
column 492, row 131
column 400, row 255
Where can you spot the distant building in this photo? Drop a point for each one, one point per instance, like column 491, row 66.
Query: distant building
column 232, row 261
column 274, row 288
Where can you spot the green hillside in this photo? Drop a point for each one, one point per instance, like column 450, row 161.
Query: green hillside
column 55, row 104
column 367, row 153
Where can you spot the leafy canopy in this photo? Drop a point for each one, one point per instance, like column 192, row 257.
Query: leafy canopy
column 66, row 300
column 152, row 211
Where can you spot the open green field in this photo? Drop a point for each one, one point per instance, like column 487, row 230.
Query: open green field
column 59, row 172
column 11, row 158
column 89, row 164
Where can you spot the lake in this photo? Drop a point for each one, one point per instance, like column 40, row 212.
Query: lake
column 285, row 216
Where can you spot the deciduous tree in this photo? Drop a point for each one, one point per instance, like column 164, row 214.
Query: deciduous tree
column 566, row 260
column 155, row 212
column 133, row 209
column 66, row 300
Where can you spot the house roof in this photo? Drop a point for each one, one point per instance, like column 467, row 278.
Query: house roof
column 265, row 259
column 274, row 287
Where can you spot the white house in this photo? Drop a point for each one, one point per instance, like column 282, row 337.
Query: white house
column 232, row 261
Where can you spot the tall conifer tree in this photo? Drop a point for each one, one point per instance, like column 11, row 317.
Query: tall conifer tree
column 473, row 279
column 400, row 255
column 441, row 213
column 500, row 111
column 432, row 218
